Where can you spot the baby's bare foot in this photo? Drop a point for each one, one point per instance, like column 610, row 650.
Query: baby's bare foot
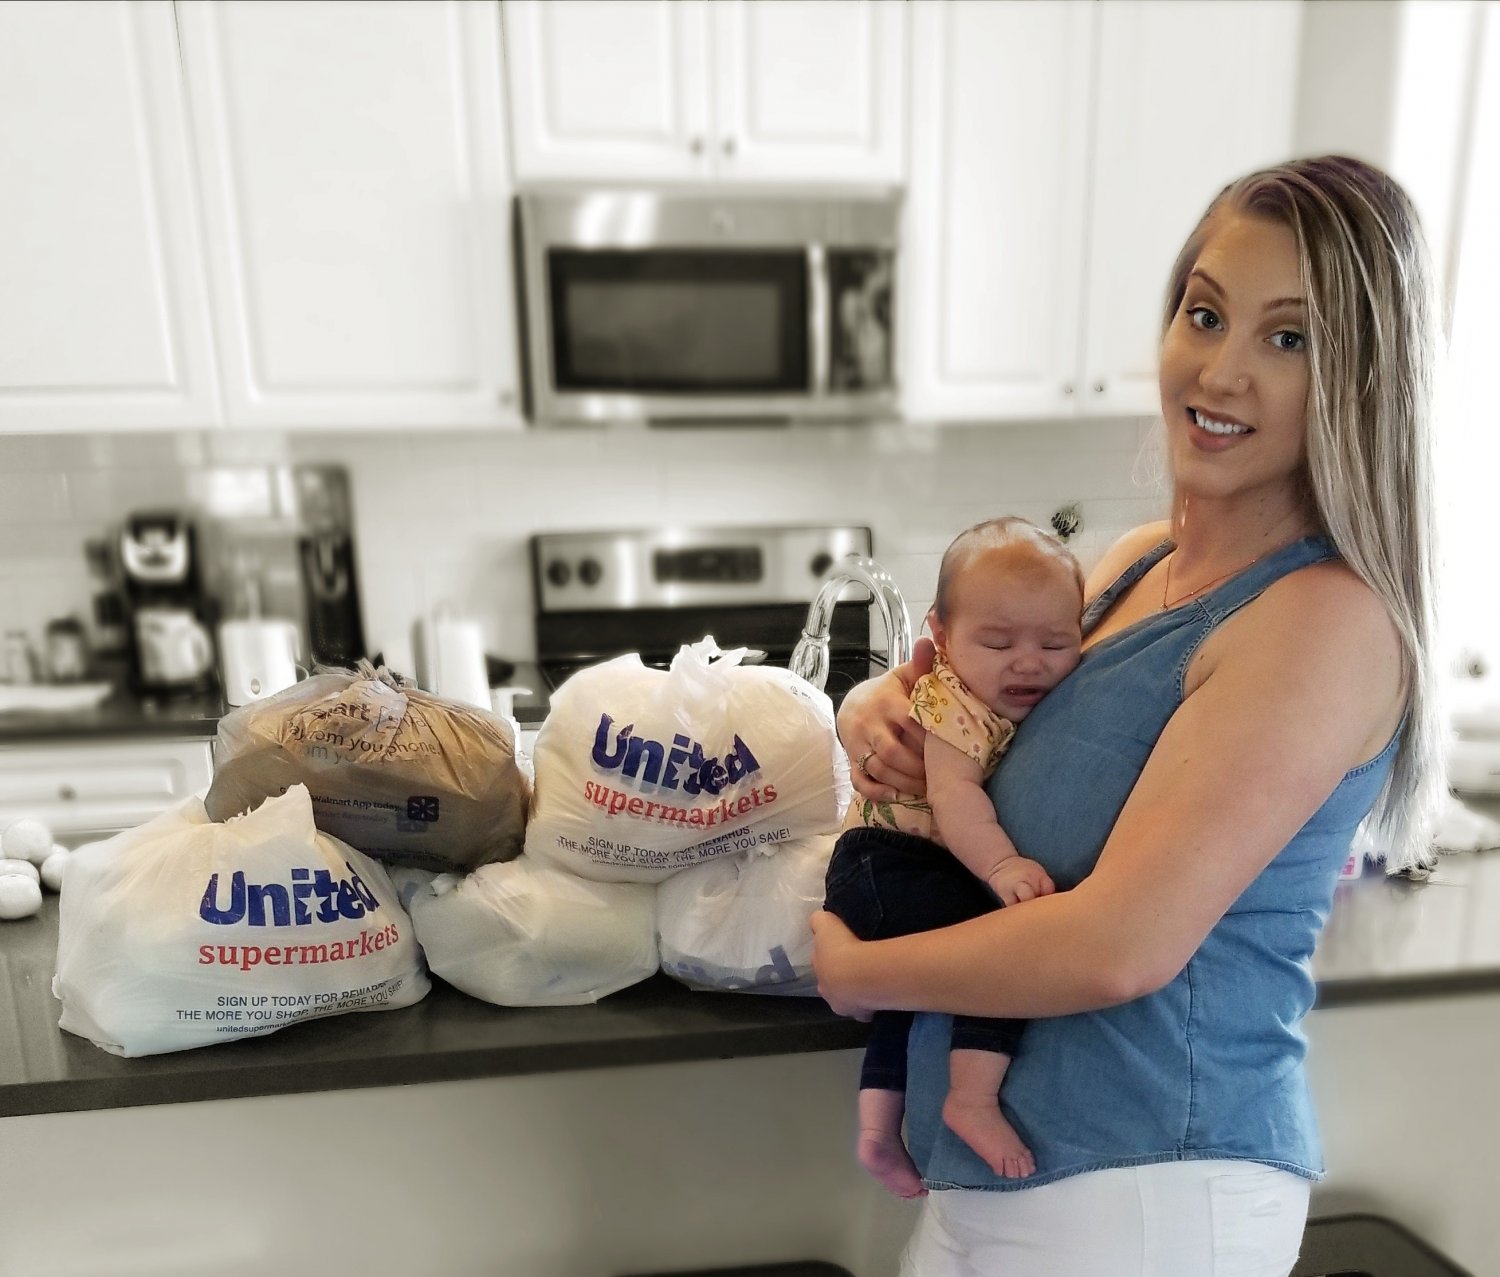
column 980, row 1125
column 885, row 1157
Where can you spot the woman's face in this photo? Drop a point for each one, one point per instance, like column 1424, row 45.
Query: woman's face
column 1234, row 365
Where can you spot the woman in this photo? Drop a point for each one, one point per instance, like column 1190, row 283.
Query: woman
column 1255, row 680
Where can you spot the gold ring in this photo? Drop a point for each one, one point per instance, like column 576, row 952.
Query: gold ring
column 863, row 759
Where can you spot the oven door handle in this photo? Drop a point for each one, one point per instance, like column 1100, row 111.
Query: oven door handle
column 819, row 319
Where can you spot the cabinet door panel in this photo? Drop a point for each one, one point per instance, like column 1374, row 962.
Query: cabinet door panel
column 76, row 789
column 608, row 89
column 995, row 215
column 1173, row 128
column 353, row 169
column 103, row 318
column 811, row 91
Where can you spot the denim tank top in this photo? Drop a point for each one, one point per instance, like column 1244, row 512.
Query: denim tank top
column 1211, row 1065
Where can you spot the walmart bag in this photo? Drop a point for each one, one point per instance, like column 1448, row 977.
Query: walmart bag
column 183, row 932
column 641, row 773
column 406, row 776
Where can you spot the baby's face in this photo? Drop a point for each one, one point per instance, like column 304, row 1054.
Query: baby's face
column 1013, row 631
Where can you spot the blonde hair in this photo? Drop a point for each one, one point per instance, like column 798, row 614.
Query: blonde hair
column 1372, row 315
column 994, row 534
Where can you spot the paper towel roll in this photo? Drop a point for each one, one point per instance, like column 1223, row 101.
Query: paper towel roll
column 450, row 660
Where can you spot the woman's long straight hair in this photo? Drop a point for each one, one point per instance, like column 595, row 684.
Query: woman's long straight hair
column 1373, row 317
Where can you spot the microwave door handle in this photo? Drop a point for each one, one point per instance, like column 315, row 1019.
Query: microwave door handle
column 819, row 319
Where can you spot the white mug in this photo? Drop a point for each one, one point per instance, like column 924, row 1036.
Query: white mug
column 259, row 658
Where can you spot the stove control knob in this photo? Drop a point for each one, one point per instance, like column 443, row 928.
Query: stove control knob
column 589, row 571
column 559, row 573
column 820, row 564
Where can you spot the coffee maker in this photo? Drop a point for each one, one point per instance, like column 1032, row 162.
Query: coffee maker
column 169, row 622
column 325, row 552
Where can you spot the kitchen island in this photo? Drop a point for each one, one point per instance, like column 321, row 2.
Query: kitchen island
column 1386, row 940
column 530, row 1148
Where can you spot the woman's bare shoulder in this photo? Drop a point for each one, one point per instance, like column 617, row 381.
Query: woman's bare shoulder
column 1124, row 552
column 1334, row 629
column 1329, row 602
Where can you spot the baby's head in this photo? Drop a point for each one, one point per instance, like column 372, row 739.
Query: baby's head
column 1007, row 613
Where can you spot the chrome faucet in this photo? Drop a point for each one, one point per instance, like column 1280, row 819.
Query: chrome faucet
column 810, row 656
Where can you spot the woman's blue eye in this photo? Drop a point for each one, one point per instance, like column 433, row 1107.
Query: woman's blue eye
column 1204, row 319
column 1288, row 340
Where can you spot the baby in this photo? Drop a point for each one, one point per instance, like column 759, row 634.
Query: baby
column 1006, row 622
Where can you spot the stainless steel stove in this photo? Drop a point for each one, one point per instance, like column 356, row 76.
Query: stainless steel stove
column 601, row 594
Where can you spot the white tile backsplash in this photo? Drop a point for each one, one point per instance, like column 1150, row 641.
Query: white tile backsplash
column 445, row 517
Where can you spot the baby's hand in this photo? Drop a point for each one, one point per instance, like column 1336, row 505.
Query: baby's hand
column 1016, row 879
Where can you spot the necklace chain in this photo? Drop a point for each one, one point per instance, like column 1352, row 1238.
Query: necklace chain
column 1166, row 586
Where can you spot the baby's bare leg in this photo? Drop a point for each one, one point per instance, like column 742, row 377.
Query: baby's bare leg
column 881, row 1150
column 972, row 1112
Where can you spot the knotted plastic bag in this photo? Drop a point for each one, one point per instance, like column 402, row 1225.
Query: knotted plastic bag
column 521, row 934
column 741, row 923
column 184, row 932
column 407, row 777
column 641, row 773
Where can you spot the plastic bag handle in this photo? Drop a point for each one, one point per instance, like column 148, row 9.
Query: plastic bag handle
column 703, row 664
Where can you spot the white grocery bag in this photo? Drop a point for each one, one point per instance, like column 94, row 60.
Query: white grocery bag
column 521, row 934
column 183, row 932
column 742, row 923
column 641, row 773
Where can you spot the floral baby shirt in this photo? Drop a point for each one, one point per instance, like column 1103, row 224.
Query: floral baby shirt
column 943, row 705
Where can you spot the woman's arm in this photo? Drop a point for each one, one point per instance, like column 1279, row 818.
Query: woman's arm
column 1295, row 690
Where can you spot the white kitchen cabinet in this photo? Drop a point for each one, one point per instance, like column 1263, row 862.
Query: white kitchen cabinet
column 1189, row 98
column 103, row 310
column 1061, row 154
column 708, row 90
column 356, row 200
column 99, row 788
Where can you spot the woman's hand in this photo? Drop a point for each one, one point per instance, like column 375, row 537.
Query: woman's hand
column 834, row 948
column 883, row 743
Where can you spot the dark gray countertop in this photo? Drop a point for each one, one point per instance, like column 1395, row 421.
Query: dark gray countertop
column 1387, row 940
column 125, row 715
column 446, row 1036
column 121, row 715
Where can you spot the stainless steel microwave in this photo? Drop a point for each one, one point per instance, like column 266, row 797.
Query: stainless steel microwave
column 681, row 307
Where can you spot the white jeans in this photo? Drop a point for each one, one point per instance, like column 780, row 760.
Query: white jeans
column 1171, row 1219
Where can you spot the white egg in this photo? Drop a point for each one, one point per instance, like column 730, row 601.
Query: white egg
column 27, row 839
column 19, row 896
column 53, row 868
column 23, row 867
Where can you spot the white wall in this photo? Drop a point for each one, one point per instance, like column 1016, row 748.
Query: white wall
column 444, row 516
